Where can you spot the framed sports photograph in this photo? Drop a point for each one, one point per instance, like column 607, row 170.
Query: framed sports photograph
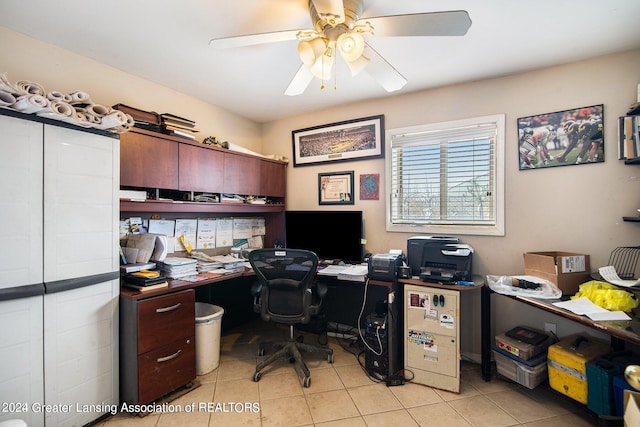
column 561, row 138
column 343, row 141
column 335, row 188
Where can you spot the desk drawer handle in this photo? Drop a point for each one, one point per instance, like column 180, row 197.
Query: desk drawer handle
column 167, row 358
column 171, row 308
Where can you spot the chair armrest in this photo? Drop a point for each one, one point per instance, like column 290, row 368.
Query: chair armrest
column 256, row 288
column 321, row 289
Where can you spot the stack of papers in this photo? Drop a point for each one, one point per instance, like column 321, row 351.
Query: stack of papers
column 356, row 273
column 584, row 306
column 332, row 270
column 609, row 274
column 204, row 266
column 177, row 267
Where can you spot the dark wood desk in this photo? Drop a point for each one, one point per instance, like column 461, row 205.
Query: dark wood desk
column 621, row 332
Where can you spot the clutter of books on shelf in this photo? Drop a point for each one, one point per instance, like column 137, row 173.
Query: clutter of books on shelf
column 629, row 134
column 156, row 251
column 167, row 123
column 580, row 366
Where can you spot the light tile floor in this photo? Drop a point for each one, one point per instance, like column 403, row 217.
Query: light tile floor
column 341, row 394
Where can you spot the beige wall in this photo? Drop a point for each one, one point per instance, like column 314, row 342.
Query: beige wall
column 572, row 208
column 25, row 58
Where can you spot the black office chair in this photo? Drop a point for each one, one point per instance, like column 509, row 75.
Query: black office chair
column 285, row 294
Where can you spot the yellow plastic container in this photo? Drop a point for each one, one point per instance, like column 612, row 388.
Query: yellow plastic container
column 567, row 364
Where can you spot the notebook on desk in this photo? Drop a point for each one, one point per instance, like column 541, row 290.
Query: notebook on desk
column 356, row 273
column 332, row 270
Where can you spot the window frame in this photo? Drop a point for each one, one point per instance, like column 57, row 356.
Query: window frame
column 496, row 229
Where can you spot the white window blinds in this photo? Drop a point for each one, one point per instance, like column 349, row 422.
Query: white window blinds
column 444, row 174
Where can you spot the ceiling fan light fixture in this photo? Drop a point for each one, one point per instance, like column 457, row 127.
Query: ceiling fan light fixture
column 324, row 64
column 358, row 65
column 351, row 46
column 311, row 50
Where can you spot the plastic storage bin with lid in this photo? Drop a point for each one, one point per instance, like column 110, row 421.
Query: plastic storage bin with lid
column 208, row 328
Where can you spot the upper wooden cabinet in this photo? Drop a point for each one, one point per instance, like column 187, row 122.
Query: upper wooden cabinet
column 200, row 169
column 241, row 174
column 157, row 161
column 148, row 161
column 273, row 179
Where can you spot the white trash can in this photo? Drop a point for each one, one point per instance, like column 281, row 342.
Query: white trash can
column 208, row 327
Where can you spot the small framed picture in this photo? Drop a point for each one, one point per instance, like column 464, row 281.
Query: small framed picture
column 335, row 188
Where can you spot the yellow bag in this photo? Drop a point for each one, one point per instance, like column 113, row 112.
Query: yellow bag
column 607, row 296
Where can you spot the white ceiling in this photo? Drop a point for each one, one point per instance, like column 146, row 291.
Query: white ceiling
column 167, row 42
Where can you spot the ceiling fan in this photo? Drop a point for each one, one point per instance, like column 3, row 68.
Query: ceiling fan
column 338, row 27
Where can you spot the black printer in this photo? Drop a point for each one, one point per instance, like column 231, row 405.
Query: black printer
column 439, row 258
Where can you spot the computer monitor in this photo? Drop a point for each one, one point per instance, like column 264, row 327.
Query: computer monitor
column 332, row 235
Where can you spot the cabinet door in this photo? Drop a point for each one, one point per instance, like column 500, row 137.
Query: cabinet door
column 22, row 373
column 20, row 202
column 81, row 209
column 241, row 174
column 148, row 161
column 272, row 179
column 200, row 169
column 81, row 351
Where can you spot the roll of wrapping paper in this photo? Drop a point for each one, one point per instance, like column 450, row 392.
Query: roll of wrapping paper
column 29, row 104
column 124, row 127
column 6, row 99
column 54, row 95
column 80, row 97
column 57, row 110
column 86, row 115
column 115, row 119
column 98, row 110
column 78, row 118
column 32, row 88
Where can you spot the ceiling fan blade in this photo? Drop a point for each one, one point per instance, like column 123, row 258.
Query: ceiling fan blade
column 331, row 11
column 300, row 81
column 383, row 72
column 452, row 23
column 253, row 39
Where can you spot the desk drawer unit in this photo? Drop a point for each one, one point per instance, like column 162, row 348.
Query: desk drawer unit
column 431, row 336
column 157, row 345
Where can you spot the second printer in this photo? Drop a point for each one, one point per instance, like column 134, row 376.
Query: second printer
column 439, row 259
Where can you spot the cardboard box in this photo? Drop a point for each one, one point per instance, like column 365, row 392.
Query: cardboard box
column 566, row 270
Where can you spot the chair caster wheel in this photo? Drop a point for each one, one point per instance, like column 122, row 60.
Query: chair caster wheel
column 330, row 358
column 256, row 376
column 306, row 382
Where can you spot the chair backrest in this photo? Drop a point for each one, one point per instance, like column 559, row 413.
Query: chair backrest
column 286, row 276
